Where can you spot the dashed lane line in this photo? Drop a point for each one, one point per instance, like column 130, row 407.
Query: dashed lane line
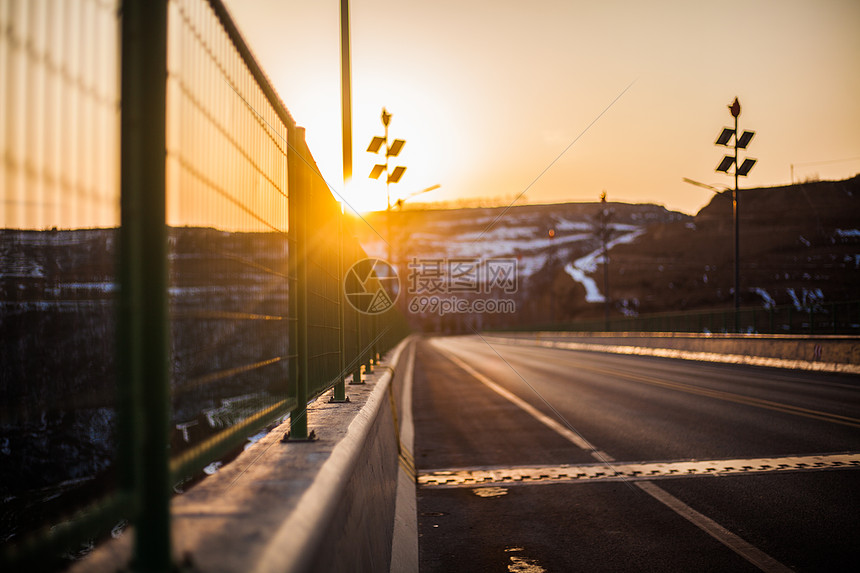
column 554, row 425
column 734, row 542
column 740, row 546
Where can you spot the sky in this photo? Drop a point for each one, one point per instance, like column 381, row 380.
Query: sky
column 560, row 100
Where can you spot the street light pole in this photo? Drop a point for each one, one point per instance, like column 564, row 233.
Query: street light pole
column 339, row 394
column 604, row 237
column 740, row 142
column 551, row 266
column 391, row 150
column 736, row 111
column 345, row 91
column 386, row 119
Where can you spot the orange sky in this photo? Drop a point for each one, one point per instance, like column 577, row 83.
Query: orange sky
column 488, row 94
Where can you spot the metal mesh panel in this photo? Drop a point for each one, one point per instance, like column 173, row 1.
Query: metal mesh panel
column 353, row 323
column 324, row 288
column 228, row 242
column 256, row 314
column 59, row 128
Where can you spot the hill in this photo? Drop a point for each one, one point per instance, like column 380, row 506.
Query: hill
column 799, row 244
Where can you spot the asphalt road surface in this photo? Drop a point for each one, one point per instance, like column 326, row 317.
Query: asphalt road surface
column 537, row 459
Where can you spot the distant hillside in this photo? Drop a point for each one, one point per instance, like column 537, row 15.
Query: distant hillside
column 521, row 231
column 541, row 238
column 800, row 244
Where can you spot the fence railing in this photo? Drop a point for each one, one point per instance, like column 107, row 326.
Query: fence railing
column 173, row 268
column 820, row 318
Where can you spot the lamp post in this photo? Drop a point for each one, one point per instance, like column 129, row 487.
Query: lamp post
column 605, row 231
column 391, row 150
column 551, row 268
column 728, row 134
column 339, row 394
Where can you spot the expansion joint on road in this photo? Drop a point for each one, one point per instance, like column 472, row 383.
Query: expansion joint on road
column 634, row 471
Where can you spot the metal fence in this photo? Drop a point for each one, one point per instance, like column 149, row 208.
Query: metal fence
column 821, row 318
column 59, row 138
column 173, row 268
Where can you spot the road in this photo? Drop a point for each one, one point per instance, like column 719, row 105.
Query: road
column 539, row 459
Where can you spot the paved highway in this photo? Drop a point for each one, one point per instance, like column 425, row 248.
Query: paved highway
column 539, row 459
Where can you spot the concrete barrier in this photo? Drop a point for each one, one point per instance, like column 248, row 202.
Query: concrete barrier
column 325, row 505
column 824, row 353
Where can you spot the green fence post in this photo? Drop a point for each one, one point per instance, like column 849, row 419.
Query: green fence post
column 356, row 374
column 355, row 358
column 144, row 270
column 339, row 393
column 374, row 354
column 298, row 193
column 293, row 275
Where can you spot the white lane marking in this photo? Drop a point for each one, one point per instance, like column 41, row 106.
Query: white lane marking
column 744, row 399
column 404, row 544
column 738, row 545
column 686, row 355
column 743, row 548
column 407, row 428
column 634, row 471
column 573, row 437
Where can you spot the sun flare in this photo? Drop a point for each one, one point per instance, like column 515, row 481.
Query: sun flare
column 364, row 196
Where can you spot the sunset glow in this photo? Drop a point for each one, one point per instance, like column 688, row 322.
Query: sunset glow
column 363, row 196
column 488, row 95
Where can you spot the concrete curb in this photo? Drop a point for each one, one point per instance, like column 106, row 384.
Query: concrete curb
column 297, row 543
column 773, row 352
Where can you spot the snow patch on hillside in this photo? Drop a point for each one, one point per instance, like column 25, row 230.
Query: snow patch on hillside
column 588, row 264
column 844, row 233
column 765, row 296
column 592, row 293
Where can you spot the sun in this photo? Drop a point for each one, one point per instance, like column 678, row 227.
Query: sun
column 364, row 196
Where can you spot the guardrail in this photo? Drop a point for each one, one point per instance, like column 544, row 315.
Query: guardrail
column 822, row 318
column 184, row 291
